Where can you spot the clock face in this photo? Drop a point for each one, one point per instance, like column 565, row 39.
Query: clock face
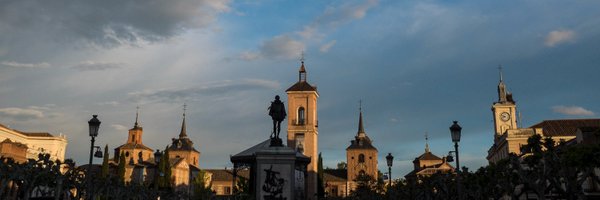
column 504, row 116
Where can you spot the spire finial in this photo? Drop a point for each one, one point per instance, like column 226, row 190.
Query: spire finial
column 500, row 71
column 302, row 57
column 426, row 142
column 361, row 128
column 137, row 112
column 183, row 133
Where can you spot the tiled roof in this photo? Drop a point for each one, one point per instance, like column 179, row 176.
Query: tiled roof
column 361, row 143
column 565, row 127
column 335, row 175
column 302, row 86
column 134, row 146
column 428, row 156
column 226, row 174
column 31, row 134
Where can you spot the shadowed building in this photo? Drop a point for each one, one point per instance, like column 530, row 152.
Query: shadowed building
column 428, row 164
column 34, row 143
column 303, row 125
column 508, row 137
column 221, row 180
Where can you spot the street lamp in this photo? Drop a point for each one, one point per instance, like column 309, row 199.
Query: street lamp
column 157, row 156
column 455, row 133
column 94, row 125
column 390, row 160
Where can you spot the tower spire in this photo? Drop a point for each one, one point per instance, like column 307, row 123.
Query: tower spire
column 137, row 111
column 426, row 143
column 183, row 133
column 302, row 71
column 361, row 128
column 501, row 88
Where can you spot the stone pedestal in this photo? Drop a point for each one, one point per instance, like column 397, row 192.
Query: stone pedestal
column 276, row 172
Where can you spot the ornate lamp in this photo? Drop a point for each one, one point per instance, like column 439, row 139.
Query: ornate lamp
column 390, row 160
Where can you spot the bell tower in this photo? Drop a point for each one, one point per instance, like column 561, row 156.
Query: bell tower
column 504, row 110
column 303, row 124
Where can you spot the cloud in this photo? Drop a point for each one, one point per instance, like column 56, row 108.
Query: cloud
column 290, row 45
column 325, row 48
column 21, row 113
column 572, row 110
column 333, row 17
column 108, row 103
column 281, row 46
column 24, row 65
column 194, row 93
column 107, row 22
column 558, row 37
column 119, row 127
column 97, row 66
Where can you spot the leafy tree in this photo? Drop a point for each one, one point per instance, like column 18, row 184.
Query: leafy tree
column 342, row 165
column 105, row 167
column 202, row 186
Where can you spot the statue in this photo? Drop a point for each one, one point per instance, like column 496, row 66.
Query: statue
column 277, row 113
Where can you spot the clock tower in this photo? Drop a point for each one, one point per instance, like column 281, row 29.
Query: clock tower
column 504, row 110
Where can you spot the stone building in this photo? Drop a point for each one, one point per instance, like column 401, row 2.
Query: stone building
column 221, row 180
column 428, row 164
column 34, row 144
column 509, row 137
column 361, row 159
column 303, row 125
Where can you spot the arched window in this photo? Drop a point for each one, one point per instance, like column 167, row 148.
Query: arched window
column 361, row 158
column 301, row 115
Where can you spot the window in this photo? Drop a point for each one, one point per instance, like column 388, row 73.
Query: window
column 299, row 142
column 301, row 115
column 227, row 190
column 361, row 158
column 127, row 154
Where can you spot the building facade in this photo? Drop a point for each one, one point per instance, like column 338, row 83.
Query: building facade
column 35, row 143
column 509, row 137
column 428, row 164
column 361, row 162
column 303, row 125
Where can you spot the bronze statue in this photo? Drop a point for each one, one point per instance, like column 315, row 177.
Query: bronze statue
column 277, row 113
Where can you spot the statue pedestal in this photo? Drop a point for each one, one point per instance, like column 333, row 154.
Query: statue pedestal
column 276, row 172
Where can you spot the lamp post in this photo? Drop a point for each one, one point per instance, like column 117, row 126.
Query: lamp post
column 94, row 125
column 455, row 130
column 390, row 160
column 157, row 156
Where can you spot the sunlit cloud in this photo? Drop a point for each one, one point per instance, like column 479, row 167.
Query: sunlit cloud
column 558, row 37
column 572, row 110
column 325, row 48
column 21, row 113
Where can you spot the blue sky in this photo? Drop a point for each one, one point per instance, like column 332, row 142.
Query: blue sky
column 416, row 65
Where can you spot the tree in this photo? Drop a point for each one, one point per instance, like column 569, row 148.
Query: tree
column 164, row 170
column 105, row 166
column 320, row 184
column 342, row 165
column 202, row 186
column 121, row 168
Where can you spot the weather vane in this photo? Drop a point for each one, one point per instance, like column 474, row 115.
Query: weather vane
column 302, row 57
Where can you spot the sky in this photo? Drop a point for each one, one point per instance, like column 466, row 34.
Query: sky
column 415, row 65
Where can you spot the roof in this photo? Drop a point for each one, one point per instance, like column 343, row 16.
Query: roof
column 226, row 174
column 18, row 144
column 428, row 156
column 248, row 155
column 182, row 144
column 335, row 175
column 361, row 143
column 133, row 146
column 302, row 86
column 31, row 134
column 565, row 127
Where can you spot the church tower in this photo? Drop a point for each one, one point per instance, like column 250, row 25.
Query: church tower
column 504, row 110
column 361, row 155
column 303, row 124
column 134, row 150
column 182, row 147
